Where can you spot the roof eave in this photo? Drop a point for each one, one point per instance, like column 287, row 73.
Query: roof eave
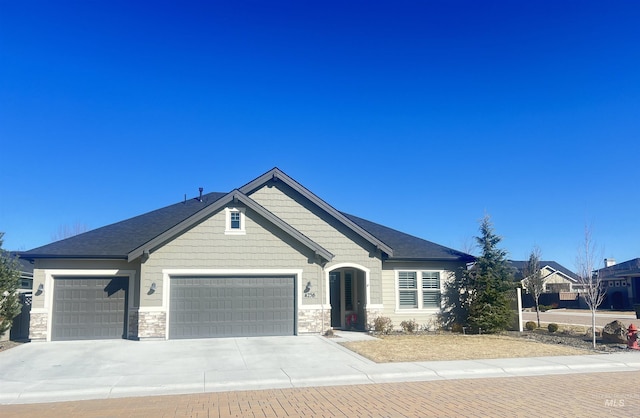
column 427, row 259
column 32, row 257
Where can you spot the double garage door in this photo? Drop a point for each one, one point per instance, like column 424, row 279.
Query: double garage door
column 203, row 307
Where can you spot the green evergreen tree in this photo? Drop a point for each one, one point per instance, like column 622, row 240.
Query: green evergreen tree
column 489, row 281
column 9, row 277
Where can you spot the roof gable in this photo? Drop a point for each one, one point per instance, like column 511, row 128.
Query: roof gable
column 234, row 196
column 519, row 267
column 277, row 175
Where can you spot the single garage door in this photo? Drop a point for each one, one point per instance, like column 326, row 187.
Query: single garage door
column 203, row 307
column 89, row 308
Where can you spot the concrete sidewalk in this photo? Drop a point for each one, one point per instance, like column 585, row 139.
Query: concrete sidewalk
column 64, row 371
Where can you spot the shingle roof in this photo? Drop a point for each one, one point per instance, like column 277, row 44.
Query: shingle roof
column 408, row 247
column 119, row 240
column 24, row 265
column 621, row 269
column 519, row 266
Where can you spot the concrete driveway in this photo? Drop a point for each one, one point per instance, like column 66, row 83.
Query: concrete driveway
column 66, row 371
column 41, row 372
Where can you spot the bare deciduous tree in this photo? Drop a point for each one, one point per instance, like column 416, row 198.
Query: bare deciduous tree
column 68, row 231
column 592, row 289
column 534, row 282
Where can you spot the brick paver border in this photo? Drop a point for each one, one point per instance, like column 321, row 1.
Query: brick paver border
column 566, row 395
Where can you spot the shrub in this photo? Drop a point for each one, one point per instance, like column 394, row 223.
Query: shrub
column 544, row 308
column 530, row 325
column 409, row 326
column 552, row 327
column 456, row 328
column 383, row 325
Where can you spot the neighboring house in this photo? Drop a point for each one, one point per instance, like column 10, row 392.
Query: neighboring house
column 269, row 258
column 20, row 327
column 557, row 278
column 622, row 282
column 26, row 273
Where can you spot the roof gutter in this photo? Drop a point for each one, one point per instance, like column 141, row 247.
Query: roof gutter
column 32, row 257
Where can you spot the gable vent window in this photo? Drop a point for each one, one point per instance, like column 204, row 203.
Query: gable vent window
column 418, row 289
column 235, row 221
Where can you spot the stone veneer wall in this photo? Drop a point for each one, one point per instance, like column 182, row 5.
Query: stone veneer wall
column 310, row 321
column 151, row 324
column 38, row 326
column 372, row 314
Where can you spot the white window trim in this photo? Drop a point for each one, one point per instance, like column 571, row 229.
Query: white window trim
column 231, row 231
column 420, row 307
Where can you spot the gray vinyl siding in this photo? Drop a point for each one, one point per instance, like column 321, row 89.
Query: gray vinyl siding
column 206, row 246
column 345, row 244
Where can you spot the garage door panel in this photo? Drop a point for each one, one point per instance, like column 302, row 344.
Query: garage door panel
column 231, row 306
column 85, row 309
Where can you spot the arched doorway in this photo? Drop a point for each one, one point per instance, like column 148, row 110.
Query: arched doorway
column 348, row 297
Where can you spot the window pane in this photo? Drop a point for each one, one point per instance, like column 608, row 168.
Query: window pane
column 430, row 299
column 235, row 220
column 431, row 280
column 408, row 299
column 407, row 280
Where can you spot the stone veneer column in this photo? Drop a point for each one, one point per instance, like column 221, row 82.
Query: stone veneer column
column 38, row 326
column 372, row 314
column 152, row 324
column 310, row 321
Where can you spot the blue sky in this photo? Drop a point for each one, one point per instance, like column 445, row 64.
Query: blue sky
column 422, row 116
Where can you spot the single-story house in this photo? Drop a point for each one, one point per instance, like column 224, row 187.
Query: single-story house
column 556, row 277
column 268, row 258
column 622, row 282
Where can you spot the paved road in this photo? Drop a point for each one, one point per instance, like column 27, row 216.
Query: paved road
column 573, row 317
column 583, row 395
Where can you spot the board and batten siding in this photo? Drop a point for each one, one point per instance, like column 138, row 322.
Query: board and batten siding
column 205, row 246
column 422, row 317
column 347, row 246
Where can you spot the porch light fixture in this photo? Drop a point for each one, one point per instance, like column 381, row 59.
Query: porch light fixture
column 40, row 289
column 153, row 287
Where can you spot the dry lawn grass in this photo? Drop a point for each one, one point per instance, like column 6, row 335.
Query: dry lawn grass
column 400, row 348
